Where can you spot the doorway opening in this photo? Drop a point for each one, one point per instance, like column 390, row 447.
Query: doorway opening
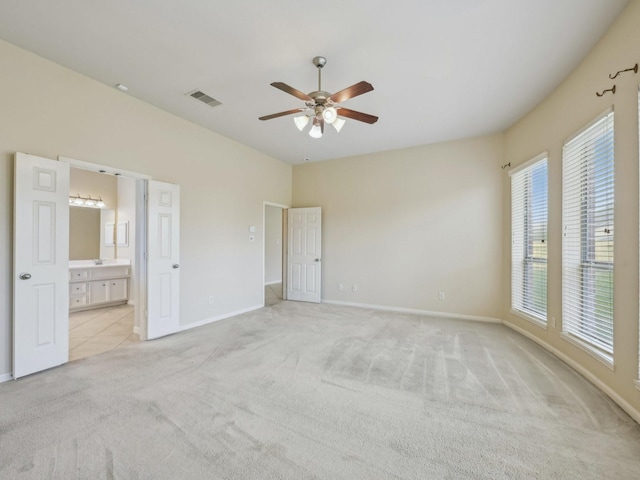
column 107, row 289
column 102, row 262
column 274, row 243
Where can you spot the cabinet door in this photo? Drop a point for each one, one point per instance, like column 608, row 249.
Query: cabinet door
column 118, row 289
column 98, row 291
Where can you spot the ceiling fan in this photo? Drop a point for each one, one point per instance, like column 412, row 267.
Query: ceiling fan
column 322, row 107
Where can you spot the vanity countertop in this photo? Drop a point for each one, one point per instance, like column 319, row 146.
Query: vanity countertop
column 92, row 263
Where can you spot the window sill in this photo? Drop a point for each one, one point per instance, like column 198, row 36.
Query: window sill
column 604, row 358
column 530, row 318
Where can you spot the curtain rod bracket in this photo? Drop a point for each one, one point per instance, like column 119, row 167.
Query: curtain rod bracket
column 612, row 90
column 634, row 69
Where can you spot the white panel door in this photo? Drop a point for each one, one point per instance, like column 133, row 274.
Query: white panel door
column 163, row 264
column 304, row 259
column 41, row 265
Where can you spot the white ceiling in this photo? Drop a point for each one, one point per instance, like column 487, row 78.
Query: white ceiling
column 441, row 69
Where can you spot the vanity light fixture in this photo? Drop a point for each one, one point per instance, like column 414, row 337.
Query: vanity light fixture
column 79, row 201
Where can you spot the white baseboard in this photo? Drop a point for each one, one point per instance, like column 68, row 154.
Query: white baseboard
column 5, row 377
column 272, row 283
column 622, row 403
column 415, row 311
column 207, row 321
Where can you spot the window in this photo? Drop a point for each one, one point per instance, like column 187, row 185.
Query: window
column 529, row 239
column 587, row 235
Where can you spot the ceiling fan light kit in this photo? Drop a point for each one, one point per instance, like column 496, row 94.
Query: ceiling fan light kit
column 322, row 107
column 301, row 121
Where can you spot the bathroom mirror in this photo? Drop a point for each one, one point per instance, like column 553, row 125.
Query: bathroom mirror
column 87, row 228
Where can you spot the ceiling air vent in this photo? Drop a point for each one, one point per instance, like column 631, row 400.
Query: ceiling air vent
column 204, row 98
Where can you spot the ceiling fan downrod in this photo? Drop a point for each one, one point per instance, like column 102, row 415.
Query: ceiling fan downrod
column 319, row 62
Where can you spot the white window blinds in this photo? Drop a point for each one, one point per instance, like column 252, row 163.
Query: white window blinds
column 587, row 235
column 529, row 199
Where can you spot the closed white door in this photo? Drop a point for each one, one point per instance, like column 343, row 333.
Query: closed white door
column 41, row 265
column 304, row 259
column 163, row 264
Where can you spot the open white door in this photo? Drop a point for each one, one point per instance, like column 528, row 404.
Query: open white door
column 163, row 263
column 304, row 272
column 40, row 265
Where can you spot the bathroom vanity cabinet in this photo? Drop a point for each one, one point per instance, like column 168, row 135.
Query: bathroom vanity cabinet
column 94, row 286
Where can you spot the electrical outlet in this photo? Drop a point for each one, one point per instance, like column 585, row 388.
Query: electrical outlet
column 354, row 287
column 552, row 320
column 211, row 299
column 440, row 295
column 340, row 287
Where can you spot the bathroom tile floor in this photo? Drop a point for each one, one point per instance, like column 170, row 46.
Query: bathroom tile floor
column 100, row 330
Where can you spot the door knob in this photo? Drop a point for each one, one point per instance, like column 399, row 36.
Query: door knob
column 25, row 276
column 175, row 265
column 317, row 259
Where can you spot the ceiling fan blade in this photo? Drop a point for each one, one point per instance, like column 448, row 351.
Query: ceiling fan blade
column 350, row 92
column 292, row 91
column 362, row 117
column 281, row 114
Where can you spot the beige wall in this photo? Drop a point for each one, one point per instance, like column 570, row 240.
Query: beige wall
column 48, row 110
column 561, row 115
column 405, row 225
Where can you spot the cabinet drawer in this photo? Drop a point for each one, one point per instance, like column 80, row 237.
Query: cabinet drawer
column 77, row 301
column 78, row 274
column 77, row 288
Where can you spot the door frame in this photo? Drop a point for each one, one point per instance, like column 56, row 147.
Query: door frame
column 284, row 208
column 140, row 284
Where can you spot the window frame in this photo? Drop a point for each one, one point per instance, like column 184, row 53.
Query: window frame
column 583, row 322
column 523, row 258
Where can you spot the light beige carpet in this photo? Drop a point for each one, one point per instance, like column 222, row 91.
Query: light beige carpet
column 300, row 391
